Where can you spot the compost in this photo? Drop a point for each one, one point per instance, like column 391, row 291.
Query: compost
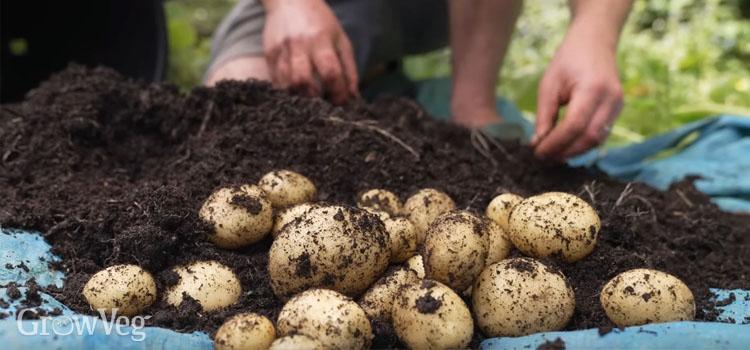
column 114, row 171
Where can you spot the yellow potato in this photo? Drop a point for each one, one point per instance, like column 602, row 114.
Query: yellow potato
column 240, row 216
column 521, row 296
column 210, row 283
column 499, row 208
column 498, row 245
column 403, row 237
column 378, row 300
column 245, row 331
column 290, row 214
column 416, row 263
column 554, row 223
column 296, row 342
column 380, row 200
column 286, row 188
column 121, row 289
column 425, row 206
column 642, row 296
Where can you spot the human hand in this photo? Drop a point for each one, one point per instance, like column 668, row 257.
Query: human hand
column 307, row 51
column 582, row 75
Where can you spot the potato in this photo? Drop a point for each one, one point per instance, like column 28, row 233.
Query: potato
column 378, row 300
column 455, row 249
column 240, row 216
column 245, row 331
column 288, row 215
column 642, row 296
column 382, row 200
column 498, row 243
column 328, row 317
column 286, row 188
column 416, row 263
column 341, row 248
column 521, row 296
column 425, row 206
column 210, row 283
column 296, row 342
column 554, row 223
column 429, row 315
column 403, row 238
column 499, row 208
column 121, row 289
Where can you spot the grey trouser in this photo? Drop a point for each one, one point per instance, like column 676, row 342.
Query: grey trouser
column 380, row 30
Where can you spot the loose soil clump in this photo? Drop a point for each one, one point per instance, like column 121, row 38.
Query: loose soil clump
column 113, row 171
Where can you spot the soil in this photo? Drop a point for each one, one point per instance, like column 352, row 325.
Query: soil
column 114, row 171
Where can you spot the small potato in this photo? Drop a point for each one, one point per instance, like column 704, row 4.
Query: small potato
column 498, row 245
column 429, row 315
column 378, row 300
column 340, row 248
column 642, row 296
column 416, row 263
column 403, row 238
column 288, row 215
column 382, row 200
column 121, row 289
column 296, row 342
column 499, row 208
column 554, row 223
column 212, row 284
column 328, row 317
column 455, row 249
column 521, row 296
column 286, row 188
column 240, row 216
column 425, row 206
column 245, row 331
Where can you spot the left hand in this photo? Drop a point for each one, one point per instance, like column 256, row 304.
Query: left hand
column 582, row 75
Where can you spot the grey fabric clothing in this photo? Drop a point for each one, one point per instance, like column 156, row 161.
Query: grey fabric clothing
column 379, row 30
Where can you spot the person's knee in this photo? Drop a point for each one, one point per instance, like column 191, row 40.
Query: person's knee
column 240, row 68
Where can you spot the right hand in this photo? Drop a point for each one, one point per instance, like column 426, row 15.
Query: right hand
column 307, row 51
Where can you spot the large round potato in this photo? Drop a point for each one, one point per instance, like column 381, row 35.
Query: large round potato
column 121, row 289
column 642, row 296
column 429, row 315
column 425, row 206
column 380, row 200
column 245, row 331
column 287, row 215
column 335, row 247
column 378, row 300
column 286, row 188
column 296, row 342
column 455, row 249
column 521, row 296
column 554, row 223
column 210, row 283
column 499, row 208
column 240, row 216
column 331, row 318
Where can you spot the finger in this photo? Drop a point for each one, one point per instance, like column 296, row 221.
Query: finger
column 346, row 54
column 598, row 129
column 582, row 105
column 282, row 71
column 328, row 66
column 547, row 107
column 301, row 75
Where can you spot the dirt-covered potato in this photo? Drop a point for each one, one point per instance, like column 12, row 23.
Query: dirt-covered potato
column 403, row 237
column 498, row 243
column 429, row 315
column 425, row 206
column 554, row 223
column 499, row 208
column 521, row 296
column 378, row 300
column 455, row 249
column 380, row 200
column 286, row 188
column 336, row 247
column 642, row 296
column 296, row 342
column 127, row 288
column 329, row 317
column 245, row 331
column 416, row 263
column 210, row 283
column 288, row 215
column 240, row 216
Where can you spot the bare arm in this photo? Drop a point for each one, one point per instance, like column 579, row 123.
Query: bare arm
column 480, row 34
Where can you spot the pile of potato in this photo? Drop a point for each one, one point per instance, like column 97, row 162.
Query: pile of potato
column 408, row 263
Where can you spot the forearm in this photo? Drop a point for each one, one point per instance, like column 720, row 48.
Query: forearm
column 480, row 33
column 599, row 20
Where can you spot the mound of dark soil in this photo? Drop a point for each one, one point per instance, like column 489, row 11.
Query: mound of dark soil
column 114, row 171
